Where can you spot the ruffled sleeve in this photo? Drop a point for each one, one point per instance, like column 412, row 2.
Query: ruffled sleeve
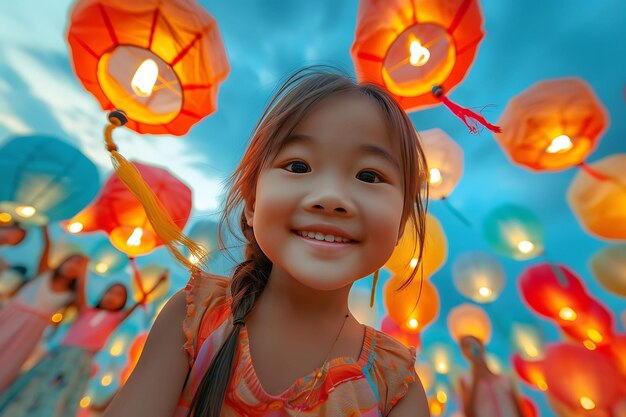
column 394, row 370
column 208, row 305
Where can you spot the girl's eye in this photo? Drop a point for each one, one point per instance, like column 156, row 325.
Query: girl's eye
column 369, row 176
column 297, row 167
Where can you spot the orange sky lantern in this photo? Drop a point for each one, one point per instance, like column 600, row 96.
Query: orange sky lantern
column 419, row 50
column 597, row 197
column 118, row 213
column 413, row 307
column 161, row 62
column 553, row 125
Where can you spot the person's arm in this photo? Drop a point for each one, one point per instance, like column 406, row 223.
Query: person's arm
column 164, row 277
column 413, row 404
column 44, row 262
column 469, row 397
column 155, row 385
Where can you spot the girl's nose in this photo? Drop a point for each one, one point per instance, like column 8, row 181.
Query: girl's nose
column 330, row 197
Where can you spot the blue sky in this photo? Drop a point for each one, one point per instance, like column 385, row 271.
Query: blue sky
column 526, row 41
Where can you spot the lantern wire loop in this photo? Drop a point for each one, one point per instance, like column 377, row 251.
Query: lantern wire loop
column 594, row 173
column 467, row 116
column 456, row 212
column 373, row 295
column 157, row 215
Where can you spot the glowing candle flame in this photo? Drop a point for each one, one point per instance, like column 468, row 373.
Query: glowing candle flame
column 117, row 348
column 567, row 313
column 101, row 267
column 413, row 323
column 560, row 144
column 85, row 401
column 5, row 217
column 145, row 78
column 435, row 177
column 485, row 292
column 57, row 317
column 442, row 397
column 419, row 54
column 525, row 246
column 135, row 237
column 595, row 335
column 413, row 263
column 587, row 403
column 25, row 211
column 75, row 227
column 106, row 380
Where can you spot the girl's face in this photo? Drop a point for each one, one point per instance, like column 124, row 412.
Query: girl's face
column 471, row 347
column 338, row 180
column 114, row 298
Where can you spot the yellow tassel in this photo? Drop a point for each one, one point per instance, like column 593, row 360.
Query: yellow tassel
column 374, row 288
column 159, row 218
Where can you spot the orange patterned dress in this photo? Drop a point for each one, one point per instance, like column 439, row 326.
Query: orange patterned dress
column 368, row 387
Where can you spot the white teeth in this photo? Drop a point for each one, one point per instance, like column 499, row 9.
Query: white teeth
column 322, row 236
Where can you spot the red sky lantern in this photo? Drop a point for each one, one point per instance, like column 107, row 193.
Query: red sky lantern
column 419, row 50
column 593, row 326
column 554, row 291
column 161, row 62
column 531, row 372
column 118, row 213
column 582, row 379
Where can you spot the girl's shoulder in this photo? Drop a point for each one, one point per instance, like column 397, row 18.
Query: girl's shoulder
column 208, row 302
column 393, row 366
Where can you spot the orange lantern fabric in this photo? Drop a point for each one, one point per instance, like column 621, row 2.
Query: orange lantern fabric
column 118, row 213
column 599, row 203
column 445, row 162
column 527, row 407
column 609, row 267
column 404, row 257
column 554, row 291
column 469, row 320
column 593, row 325
column 419, row 50
column 404, row 308
column 581, row 378
column 553, row 125
column 531, row 372
column 161, row 62
column 135, row 350
column 408, row 339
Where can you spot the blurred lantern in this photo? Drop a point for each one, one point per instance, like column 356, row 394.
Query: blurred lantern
column 105, row 259
column 149, row 277
column 609, row 267
column 205, row 234
column 150, row 59
column 419, row 50
column 593, row 325
column 530, row 371
column 136, row 347
column 408, row 339
column 469, row 320
column 404, row 257
column 413, row 307
column 553, row 125
column 554, row 291
column 527, row 407
column 359, row 304
column 118, row 213
column 479, row 276
column 527, row 341
column 440, row 356
column 425, row 373
column 598, row 198
column 445, row 162
column 44, row 180
column 582, row 379
column 437, row 408
column 514, row 231
column 617, row 351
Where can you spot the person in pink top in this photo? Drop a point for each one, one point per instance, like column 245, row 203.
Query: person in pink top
column 55, row 385
column 484, row 393
column 333, row 174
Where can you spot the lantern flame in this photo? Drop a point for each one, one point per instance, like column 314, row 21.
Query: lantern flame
column 5, row 217
column 106, row 380
column 567, row 313
column 525, row 246
column 57, row 317
column 560, row 144
column 117, row 348
column 442, row 397
column 145, row 77
column 26, row 211
column 414, row 324
column 101, row 267
column 85, row 401
column 595, row 335
column 485, row 292
column 435, row 177
column 75, row 227
column 413, row 263
column 589, row 344
column 419, row 54
column 587, row 403
column 542, row 385
column 135, row 237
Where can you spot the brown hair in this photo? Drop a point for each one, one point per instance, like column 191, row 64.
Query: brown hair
column 297, row 96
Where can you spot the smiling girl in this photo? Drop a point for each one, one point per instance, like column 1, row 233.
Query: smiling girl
column 333, row 174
